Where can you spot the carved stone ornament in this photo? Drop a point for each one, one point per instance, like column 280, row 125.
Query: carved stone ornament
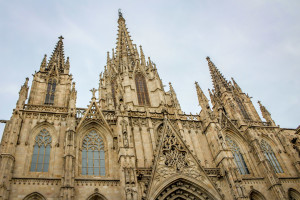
column 176, row 159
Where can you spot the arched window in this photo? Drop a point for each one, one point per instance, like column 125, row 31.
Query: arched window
column 242, row 108
column 141, row 89
column 271, row 156
column 293, row 195
column 238, row 157
column 93, row 156
column 50, row 91
column 41, row 152
column 113, row 91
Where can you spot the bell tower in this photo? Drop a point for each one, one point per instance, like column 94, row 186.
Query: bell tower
column 132, row 81
column 229, row 98
column 51, row 84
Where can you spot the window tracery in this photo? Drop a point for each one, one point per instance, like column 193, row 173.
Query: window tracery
column 50, row 92
column 270, row 155
column 93, row 155
column 242, row 109
column 238, row 157
column 141, row 89
column 174, row 152
column 41, row 152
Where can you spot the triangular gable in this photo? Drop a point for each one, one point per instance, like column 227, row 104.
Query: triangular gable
column 226, row 123
column 93, row 113
column 173, row 157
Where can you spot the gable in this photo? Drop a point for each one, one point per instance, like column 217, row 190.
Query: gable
column 173, row 158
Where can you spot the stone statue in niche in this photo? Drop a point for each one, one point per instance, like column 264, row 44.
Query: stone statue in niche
column 125, row 139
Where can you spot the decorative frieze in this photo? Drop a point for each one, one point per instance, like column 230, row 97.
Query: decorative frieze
column 45, row 108
column 95, row 182
column 36, row 181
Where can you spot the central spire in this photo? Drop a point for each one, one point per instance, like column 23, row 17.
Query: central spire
column 124, row 48
column 57, row 59
column 219, row 82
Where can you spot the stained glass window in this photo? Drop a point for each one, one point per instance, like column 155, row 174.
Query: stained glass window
column 271, row 156
column 238, row 157
column 41, row 152
column 50, row 91
column 93, row 155
column 141, row 89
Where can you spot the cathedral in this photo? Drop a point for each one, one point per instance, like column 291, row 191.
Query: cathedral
column 133, row 141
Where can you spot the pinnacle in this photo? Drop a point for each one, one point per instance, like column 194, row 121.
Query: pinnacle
column 58, row 58
column 218, row 79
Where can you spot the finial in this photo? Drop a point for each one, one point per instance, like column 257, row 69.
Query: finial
column 26, row 82
column 61, row 37
column 94, row 92
column 120, row 13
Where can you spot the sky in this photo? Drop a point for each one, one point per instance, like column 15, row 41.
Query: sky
column 257, row 42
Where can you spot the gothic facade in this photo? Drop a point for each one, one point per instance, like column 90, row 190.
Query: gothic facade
column 133, row 142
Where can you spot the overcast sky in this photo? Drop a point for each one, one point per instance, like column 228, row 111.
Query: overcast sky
column 257, row 42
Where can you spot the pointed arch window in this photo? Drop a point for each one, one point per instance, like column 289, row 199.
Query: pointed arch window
column 141, row 89
column 238, row 157
column 242, row 109
column 50, row 91
column 41, row 152
column 270, row 155
column 93, row 155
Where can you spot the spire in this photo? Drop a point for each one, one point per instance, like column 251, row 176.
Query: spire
column 203, row 101
column 219, row 82
column 266, row 115
column 44, row 63
column 124, row 43
column 174, row 99
column 57, row 59
column 143, row 60
column 23, row 95
column 67, row 66
column 236, row 86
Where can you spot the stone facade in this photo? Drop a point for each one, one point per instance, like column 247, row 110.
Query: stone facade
column 134, row 142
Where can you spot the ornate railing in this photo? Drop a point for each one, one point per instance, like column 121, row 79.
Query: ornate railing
column 257, row 123
column 45, row 108
column 190, row 117
column 109, row 115
column 213, row 172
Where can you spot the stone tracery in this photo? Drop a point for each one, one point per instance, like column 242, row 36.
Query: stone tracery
column 174, row 152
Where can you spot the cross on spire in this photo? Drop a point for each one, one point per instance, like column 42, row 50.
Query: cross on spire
column 120, row 13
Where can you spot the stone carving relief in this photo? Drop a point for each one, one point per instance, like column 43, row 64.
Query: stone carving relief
column 175, row 159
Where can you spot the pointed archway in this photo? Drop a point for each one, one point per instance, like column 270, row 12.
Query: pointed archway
column 255, row 195
column 183, row 189
column 293, row 194
column 96, row 196
column 35, row 196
